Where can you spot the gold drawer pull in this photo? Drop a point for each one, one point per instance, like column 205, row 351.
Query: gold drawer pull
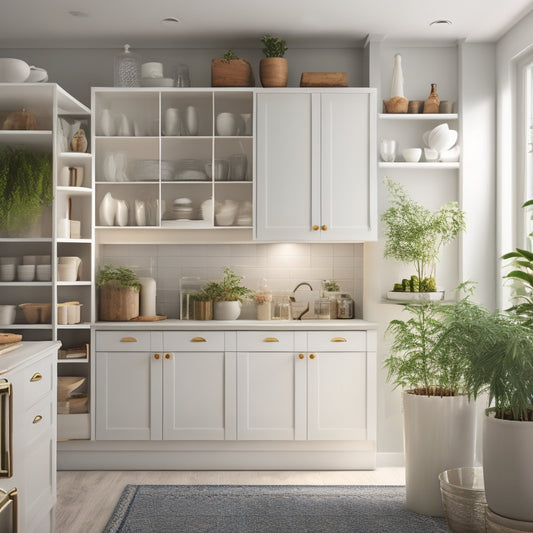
column 270, row 339
column 156, row 356
column 312, row 356
column 315, row 227
column 167, row 356
column 198, row 339
column 36, row 377
column 301, row 356
column 128, row 339
column 37, row 419
column 338, row 339
column 324, row 228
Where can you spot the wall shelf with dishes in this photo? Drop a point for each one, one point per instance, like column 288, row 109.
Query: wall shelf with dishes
column 168, row 171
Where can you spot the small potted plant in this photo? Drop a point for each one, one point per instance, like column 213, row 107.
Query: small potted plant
column 202, row 306
column 415, row 235
column 273, row 68
column 227, row 295
column 119, row 293
column 231, row 71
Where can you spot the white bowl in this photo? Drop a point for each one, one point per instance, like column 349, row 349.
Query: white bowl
column 37, row 75
column 412, row 155
column 13, row 70
column 157, row 82
column 431, row 155
column 225, row 218
column 43, row 272
column 442, row 138
column 7, row 314
column 451, row 155
column 7, row 272
column 25, row 272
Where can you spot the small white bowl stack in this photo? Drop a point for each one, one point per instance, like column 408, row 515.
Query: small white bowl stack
column 440, row 144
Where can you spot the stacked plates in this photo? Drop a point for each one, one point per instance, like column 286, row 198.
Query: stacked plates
column 148, row 170
column 191, row 170
column 182, row 209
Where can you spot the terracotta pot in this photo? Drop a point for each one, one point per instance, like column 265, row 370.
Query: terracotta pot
column 274, row 72
column 233, row 73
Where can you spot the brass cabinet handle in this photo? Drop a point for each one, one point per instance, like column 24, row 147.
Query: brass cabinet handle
column 36, row 377
column 6, row 433
column 156, row 356
column 270, row 339
column 301, row 356
column 198, row 339
column 128, row 339
column 324, row 228
column 312, row 356
column 338, row 339
column 315, row 227
column 167, row 356
column 37, row 419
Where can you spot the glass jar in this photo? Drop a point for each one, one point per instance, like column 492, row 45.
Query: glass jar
column 127, row 69
column 323, row 308
column 344, row 307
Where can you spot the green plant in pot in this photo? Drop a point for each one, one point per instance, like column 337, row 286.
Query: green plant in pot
column 227, row 295
column 119, row 289
column 231, row 71
column 202, row 305
column 429, row 360
column 273, row 68
column 415, row 235
column 25, row 187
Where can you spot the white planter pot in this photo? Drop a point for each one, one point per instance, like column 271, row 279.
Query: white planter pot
column 226, row 310
column 507, row 467
column 439, row 434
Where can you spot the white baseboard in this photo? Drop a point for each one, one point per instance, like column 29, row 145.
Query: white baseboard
column 389, row 459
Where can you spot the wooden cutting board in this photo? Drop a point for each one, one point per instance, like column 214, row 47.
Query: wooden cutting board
column 9, row 347
column 324, row 79
column 148, row 318
column 6, row 338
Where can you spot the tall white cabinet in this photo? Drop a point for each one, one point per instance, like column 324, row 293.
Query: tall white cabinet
column 316, row 176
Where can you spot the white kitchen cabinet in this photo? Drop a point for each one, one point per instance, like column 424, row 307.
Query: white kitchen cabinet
column 316, row 171
column 30, row 373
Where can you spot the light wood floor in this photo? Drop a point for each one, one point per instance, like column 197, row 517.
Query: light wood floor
column 85, row 500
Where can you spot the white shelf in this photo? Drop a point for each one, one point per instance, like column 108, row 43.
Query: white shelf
column 25, row 284
column 186, row 224
column 75, row 191
column 80, row 325
column 418, row 116
column 122, row 183
column 76, row 155
column 25, row 239
column 73, row 283
column 26, row 139
column 76, row 241
column 25, row 326
column 420, row 166
column 77, row 360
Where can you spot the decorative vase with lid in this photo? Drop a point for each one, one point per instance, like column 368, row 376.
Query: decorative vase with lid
column 397, row 103
column 127, row 71
column 431, row 105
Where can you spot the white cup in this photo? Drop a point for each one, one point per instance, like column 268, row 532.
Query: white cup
column 7, row 314
column 387, row 150
column 75, row 229
column 43, row 272
column 152, row 70
column 7, row 272
column 71, row 260
column 226, row 124
column 66, row 272
column 25, row 272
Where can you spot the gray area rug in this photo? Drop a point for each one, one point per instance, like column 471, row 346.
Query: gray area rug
column 266, row 509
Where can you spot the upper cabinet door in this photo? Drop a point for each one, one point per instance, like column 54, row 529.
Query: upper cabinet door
column 316, row 175
column 348, row 168
column 287, row 198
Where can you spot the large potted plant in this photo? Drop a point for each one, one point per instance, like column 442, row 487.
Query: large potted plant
column 273, row 68
column 25, row 187
column 429, row 359
column 415, row 235
column 119, row 293
column 231, row 71
column 227, row 295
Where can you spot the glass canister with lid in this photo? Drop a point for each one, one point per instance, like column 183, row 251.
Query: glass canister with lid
column 345, row 307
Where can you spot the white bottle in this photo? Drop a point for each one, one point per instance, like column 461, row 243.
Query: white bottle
column 148, row 296
column 191, row 120
column 397, row 77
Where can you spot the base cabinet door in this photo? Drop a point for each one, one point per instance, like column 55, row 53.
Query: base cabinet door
column 195, row 403
column 337, row 396
column 128, row 396
column 271, row 396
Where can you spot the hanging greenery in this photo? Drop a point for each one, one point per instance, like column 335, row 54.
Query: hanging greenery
column 25, row 186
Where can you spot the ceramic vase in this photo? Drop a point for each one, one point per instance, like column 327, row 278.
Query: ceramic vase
column 191, row 120
column 397, row 77
column 227, row 310
column 140, row 213
column 121, row 215
column 172, row 121
column 109, row 168
column 226, row 124
column 148, row 296
column 431, row 105
column 107, row 124
column 107, row 210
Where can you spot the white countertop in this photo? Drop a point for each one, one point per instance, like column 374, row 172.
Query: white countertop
column 239, row 325
column 24, row 354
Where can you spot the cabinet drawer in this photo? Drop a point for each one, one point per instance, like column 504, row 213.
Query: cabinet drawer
column 193, row 341
column 122, row 341
column 38, row 421
column 336, row 341
column 265, row 341
column 38, row 379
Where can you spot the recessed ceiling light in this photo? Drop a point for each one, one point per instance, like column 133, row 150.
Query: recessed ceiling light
column 170, row 20
column 80, row 14
column 440, row 22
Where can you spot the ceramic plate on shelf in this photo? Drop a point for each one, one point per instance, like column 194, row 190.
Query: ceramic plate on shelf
column 415, row 296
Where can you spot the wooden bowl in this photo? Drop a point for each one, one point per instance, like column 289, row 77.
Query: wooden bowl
column 66, row 385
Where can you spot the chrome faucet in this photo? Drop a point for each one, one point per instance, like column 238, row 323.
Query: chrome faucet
column 293, row 299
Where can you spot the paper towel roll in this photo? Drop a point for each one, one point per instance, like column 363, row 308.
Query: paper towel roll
column 148, row 292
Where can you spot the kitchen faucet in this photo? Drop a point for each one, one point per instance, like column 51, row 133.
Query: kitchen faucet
column 293, row 299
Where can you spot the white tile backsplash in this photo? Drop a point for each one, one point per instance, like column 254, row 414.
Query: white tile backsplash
column 283, row 265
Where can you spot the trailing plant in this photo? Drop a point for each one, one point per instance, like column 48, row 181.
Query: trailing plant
column 415, row 235
column 118, row 275
column 25, row 186
column 330, row 285
column 229, row 289
column 522, row 277
column 274, row 46
column 429, row 354
column 229, row 55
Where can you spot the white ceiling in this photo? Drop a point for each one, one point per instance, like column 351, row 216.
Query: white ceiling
column 240, row 23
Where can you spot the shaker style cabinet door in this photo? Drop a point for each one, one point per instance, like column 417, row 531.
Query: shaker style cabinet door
column 128, row 396
column 316, row 175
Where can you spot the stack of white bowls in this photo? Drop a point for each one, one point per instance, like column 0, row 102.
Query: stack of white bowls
column 440, row 143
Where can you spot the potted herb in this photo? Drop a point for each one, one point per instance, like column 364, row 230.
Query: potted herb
column 231, row 71
column 119, row 293
column 273, row 68
column 430, row 360
column 415, row 236
column 202, row 305
column 25, row 187
column 227, row 295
